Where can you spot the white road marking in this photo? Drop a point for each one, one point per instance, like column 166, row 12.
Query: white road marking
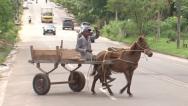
column 168, row 79
column 179, row 59
column 171, row 80
column 107, row 94
column 4, row 80
column 3, row 85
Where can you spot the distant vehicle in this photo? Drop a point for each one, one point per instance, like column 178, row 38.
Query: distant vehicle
column 58, row 5
column 25, row 5
column 49, row 29
column 29, row 20
column 30, row 2
column 83, row 25
column 46, row 15
column 68, row 23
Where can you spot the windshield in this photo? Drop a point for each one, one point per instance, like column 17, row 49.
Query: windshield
column 49, row 27
column 47, row 14
column 67, row 21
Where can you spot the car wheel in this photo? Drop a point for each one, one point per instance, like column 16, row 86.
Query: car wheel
column 54, row 33
column 73, row 28
column 63, row 28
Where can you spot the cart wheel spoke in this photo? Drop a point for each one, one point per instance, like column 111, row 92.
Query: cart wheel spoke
column 41, row 84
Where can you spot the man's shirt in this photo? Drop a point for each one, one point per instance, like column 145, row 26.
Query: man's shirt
column 82, row 46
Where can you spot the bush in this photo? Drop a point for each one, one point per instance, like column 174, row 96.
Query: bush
column 168, row 27
column 120, row 29
column 11, row 33
column 150, row 27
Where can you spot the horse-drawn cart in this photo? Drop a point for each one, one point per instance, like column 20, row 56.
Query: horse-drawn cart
column 59, row 56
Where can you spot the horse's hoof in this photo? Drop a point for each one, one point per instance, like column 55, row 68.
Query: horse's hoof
column 121, row 91
column 111, row 94
column 130, row 94
column 93, row 93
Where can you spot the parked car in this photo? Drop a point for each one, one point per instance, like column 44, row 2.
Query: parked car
column 68, row 23
column 50, row 29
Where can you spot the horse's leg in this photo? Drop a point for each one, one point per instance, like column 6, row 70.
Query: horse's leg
column 108, row 87
column 96, row 77
column 129, row 85
column 105, row 80
column 94, row 70
column 127, row 78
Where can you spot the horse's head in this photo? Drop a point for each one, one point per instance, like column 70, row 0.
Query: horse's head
column 143, row 46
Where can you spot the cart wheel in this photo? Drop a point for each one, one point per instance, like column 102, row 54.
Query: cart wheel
column 79, row 81
column 41, row 84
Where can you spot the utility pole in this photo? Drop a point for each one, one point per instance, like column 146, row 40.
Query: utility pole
column 178, row 22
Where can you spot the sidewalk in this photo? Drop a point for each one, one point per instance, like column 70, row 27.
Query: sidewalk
column 5, row 71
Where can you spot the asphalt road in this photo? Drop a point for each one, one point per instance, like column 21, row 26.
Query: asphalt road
column 158, row 81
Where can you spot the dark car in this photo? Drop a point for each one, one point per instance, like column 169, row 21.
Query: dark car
column 51, row 29
column 68, row 23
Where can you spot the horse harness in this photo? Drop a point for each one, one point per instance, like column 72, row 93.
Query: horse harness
column 119, row 57
column 124, row 50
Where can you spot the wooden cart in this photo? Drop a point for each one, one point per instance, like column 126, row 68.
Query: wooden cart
column 76, row 80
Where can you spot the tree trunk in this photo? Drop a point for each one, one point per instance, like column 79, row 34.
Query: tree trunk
column 116, row 15
column 158, row 25
column 178, row 32
column 137, row 22
column 178, row 23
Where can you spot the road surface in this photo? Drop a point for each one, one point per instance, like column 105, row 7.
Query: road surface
column 158, row 81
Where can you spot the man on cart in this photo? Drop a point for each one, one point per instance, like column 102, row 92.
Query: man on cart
column 84, row 47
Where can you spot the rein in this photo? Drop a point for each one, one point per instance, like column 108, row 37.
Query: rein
column 103, row 63
column 126, row 61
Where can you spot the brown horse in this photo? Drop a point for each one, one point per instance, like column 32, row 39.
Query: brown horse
column 123, row 61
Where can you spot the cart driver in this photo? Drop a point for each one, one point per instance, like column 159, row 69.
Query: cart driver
column 84, row 47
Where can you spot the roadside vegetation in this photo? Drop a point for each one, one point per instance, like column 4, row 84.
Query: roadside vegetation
column 9, row 14
column 164, row 22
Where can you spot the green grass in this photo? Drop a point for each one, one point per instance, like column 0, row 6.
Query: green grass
column 168, row 48
column 3, row 53
column 159, row 46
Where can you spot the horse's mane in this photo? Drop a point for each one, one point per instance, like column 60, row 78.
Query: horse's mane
column 133, row 46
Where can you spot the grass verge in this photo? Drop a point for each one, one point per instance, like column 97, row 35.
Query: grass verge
column 4, row 53
column 160, row 46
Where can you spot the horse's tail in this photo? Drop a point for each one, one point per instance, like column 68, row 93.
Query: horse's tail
column 94, row 70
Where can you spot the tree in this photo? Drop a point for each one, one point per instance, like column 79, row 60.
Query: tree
column 116, row 6
column 6, row 14
column 157, row 7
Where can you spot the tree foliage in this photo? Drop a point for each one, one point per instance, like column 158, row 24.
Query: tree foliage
column 147, row 15
column 6, row 14
column 8, row 28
